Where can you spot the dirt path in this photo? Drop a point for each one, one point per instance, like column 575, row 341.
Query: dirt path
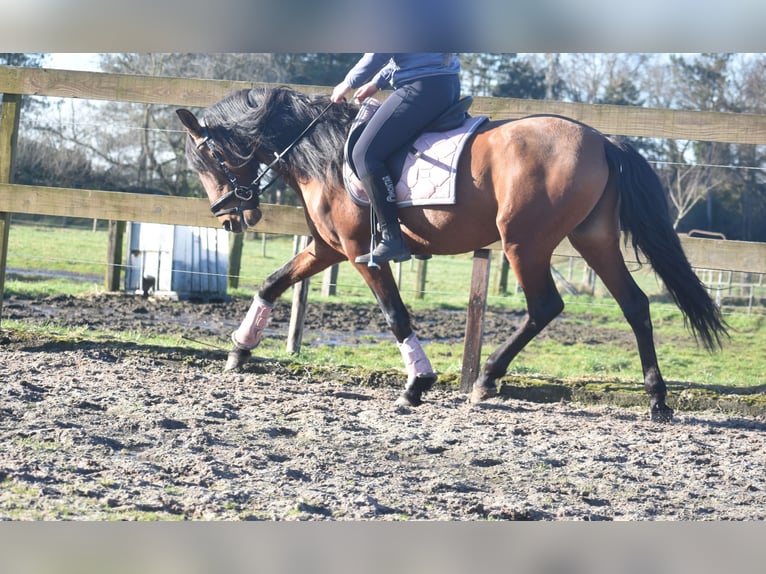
column 96, row 431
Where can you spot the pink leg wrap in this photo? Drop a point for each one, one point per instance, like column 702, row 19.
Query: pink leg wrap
column 249, row 333
column 414, row 358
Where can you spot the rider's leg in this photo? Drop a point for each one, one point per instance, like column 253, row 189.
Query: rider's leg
column 398, row 121
column 380, row 189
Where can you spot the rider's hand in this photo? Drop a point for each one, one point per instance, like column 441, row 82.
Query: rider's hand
column 365, row 91
column 338, row 94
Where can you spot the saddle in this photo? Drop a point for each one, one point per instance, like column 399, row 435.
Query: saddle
column 424, row 169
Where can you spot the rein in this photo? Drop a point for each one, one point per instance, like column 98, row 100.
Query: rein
column 248, row 196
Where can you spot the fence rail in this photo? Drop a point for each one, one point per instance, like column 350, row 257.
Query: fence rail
column 622, row 120
column 735, row 256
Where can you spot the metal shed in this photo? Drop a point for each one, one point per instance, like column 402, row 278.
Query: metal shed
column 177, row 261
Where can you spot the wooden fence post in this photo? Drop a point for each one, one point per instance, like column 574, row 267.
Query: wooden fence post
column 9, row 128
column 298, row 310
column 330, row 281
column 114, row 256
column 474, row 324
column 421, row 277
column 235, row 258
column 501, row 274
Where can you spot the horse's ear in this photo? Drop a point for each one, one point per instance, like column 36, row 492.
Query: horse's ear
column 189, row 120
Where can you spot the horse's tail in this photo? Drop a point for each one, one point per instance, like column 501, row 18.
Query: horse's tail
column 644, row 213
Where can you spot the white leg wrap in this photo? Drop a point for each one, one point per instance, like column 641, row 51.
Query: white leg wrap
column 414, row 358
column 250, row 331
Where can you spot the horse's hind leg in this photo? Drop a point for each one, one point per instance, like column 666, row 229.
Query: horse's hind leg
column 605, row 258
column 543, row 304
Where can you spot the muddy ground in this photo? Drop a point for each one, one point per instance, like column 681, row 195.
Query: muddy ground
column 98, row 429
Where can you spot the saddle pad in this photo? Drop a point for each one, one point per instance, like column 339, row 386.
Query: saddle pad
column 428, row 172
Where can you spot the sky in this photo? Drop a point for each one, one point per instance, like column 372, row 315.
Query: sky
column 80, row 61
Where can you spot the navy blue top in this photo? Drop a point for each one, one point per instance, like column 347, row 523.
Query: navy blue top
column 393, row 70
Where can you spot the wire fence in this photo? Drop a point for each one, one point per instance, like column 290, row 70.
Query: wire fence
column 445, row 281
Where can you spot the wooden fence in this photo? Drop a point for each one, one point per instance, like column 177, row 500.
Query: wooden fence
column 117, row 206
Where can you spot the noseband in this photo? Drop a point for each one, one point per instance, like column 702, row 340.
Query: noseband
column 249, row 196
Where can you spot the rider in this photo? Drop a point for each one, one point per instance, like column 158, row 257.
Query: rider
column 425, row 84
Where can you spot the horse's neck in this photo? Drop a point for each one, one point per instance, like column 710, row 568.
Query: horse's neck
column 322, row 201
column 314, row 193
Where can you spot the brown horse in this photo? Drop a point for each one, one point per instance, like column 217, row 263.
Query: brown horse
column 529, row 183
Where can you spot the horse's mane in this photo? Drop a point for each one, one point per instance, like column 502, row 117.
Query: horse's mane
column 269, row 119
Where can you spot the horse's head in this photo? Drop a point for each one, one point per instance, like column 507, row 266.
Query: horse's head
column 236, row 206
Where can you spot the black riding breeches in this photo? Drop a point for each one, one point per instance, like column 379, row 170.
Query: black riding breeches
column 401, row 118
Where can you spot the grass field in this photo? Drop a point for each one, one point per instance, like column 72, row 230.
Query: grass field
column 82, row 253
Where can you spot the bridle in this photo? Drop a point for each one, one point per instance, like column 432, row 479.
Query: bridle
column 248, row 196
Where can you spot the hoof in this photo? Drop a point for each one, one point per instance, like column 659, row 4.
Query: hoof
column 236, row 359
column 404, row 401
column 661, row 413
column 412, row 396
column 481, row 393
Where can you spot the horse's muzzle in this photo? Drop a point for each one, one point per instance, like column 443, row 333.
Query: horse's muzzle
column 242, row 220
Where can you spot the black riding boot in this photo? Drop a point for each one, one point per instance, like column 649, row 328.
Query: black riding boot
column 380, row 190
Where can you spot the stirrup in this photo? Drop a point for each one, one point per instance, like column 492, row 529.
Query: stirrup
column 383, row 253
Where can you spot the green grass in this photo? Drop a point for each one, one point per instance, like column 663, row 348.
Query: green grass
column 54, row 249
column 43, row 259
column 33, row 286
column 742, row 363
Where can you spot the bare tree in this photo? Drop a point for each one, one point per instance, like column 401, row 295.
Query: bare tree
column 586, row 76
column 686, row 184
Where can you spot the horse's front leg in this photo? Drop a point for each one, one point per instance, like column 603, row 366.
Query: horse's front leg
column 310, row 261
column 420, row 374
